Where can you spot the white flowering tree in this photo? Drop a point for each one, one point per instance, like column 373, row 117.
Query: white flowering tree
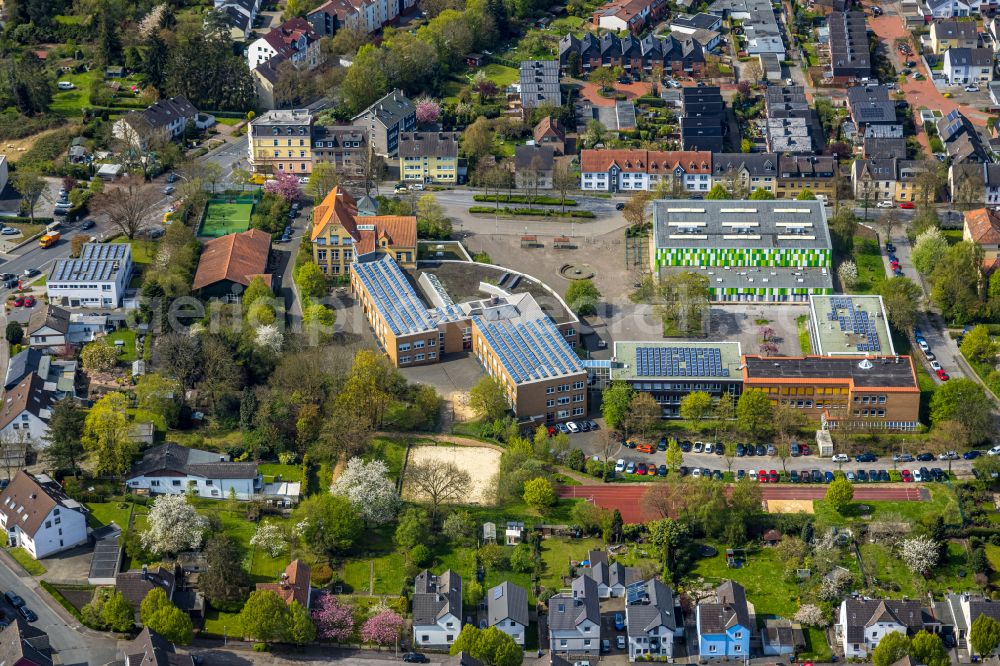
column 810, row 614
column 270, row 337
column 920, row 553
column 835, row 584
column 368, row 487
column 848, row 274
column 174, row 526
column 270, row 537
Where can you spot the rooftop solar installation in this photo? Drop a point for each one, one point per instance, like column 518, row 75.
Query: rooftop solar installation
column 393, row 297
column 530, row 350
column 98, row 262
column 854, row 321
column 850, row 325
column 679, row 362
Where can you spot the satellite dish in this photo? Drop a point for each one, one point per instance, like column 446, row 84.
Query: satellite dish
column 865, row 364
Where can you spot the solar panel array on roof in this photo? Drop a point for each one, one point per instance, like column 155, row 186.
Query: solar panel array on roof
column 98, row 262
column 679, row 362
column 854, row 321
column 104, row 251
column 530, row 350
column 394, row 297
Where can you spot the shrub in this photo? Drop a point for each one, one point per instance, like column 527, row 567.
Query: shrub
column 524, row 199
column 322, row 574
column 420, row 555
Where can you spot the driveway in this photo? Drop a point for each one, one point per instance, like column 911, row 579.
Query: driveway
column 589, row 91
column 70, row 567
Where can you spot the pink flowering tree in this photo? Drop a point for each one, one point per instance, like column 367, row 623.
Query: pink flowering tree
column 333, row 621
column 428, row 111
column 285, row 185
column 382, row 629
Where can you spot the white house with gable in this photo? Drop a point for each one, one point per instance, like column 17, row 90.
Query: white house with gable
column 39, row 517
column 171, row 469
column 508, row 610
column 437, row 608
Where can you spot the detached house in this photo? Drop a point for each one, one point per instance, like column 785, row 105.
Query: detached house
column 862, row 623
column 26, row 410
column 507, row 606
column 945, row 9
column 39, row 517
column 575, row 620
column 437, row 608
column 228, row 264
column 985, row 178
column 429, row 157
column 151, row 649
column 651, row 618
column 22, row 644
column 172, row 469
column 982, row 227
column 549, row 131
column 167, row 117
column 295, row 584
column 52, row 326
column 724, row 626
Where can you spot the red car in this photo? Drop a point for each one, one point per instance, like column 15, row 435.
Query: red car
column 774, row 476
column 942, row 375
column 29, row 301
column 762, row 476
column 907, row 477
column 641, row 469
column 908, row 205
column 19, row 301
column 804, row 449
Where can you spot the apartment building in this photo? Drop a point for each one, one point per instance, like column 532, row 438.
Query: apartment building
column 280, row 141
column 743, row 173
column 631, row 15
column 539, row 81
column 37, row 515
column 385, row 120
column 429, row 157
column 796, row 173
column 341, row 234
column 630, row 170
column 293, row 40
column 368, row 15
column 345, row 147
column 849, row 393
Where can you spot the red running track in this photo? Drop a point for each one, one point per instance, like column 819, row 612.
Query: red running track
column 629, row 498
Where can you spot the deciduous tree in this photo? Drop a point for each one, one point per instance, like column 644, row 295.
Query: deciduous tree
column 927, row 649
column 438, row 482
column 490, row 646
column 118, row 614
column 582, row 297
column 128, row 205
column 644, row 413
column 696, row 406
column 893, row 647
column 984, row 635
column 840, row 494
column 174, row 525
column 106, row 435
column 370, row 489
column 99, row 356
column 539, row 493
column 264, row 617
column 964, row 401
column 919, row 553
column 901, row 298
column 30, row 185
column 327, row 524
column 615, row 404
column 754, row 413
column 382, row 628
column 488, row 398
column 333, row 621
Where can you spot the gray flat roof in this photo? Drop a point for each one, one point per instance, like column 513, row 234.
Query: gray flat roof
column 98, row 262
column 763, row 277
column 740, row 224
column 676, row 360
column 850, row 325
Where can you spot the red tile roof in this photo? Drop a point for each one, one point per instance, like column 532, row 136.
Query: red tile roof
column 984, row 226
column 646, row 161
column 294, row 584
column 234, row 257
column 339, row 207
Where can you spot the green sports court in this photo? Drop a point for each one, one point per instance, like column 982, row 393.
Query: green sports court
column 227, row 215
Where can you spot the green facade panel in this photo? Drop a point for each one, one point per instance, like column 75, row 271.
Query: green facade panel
column 733, row 257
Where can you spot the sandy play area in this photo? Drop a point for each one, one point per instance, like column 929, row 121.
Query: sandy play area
column 789, row 506
column 480, row 462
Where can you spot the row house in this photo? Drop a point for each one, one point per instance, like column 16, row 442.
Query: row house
column 630, row 170
column 963, row 66
column 984, row 177
column 953, row 34
column 680, row 56
column 796, row 173
column 885, row 179
column 631, row 15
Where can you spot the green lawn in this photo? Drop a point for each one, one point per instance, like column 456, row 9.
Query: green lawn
column 942, row 502
column 71, row 102
column 104, row 513
column 210, row 438
column 30, row 565
column 871, row 269
column 143, row 251
column 221, row 624
column 761, row 575
column 805, row 344
column 390, row 451
column 288, row 472
column 886, row 566
column 501, row 75
column 953, row 236
column 127, row 336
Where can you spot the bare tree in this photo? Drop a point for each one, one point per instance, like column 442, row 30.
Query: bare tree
column 887, row 222
column 439, row 482
column 137, row 143
column 969, row 188
column 609, row 444
column 14, row 448
column 563, row 180
column 129, row 205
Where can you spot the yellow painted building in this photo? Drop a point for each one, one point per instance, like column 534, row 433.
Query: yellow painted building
column 340, row 235
column 806, row 172
column 281, row 142
column 429, row 157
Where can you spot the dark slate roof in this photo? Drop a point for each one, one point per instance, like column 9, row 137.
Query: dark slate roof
column 21, row 365
column 174, row 460
column 862, row 613
column 428, row 144
column 135, row 585
column 524, row 157
column 612, row 574
column 166, row 111
column 52, row 316
column 151, row 649
column 650, row 604
column 964, row 57
column 756, row 164
column 390, row 110
column 507, row 601
column 595, row 556
column 885, row 148
column 782, row 632
column 436, row 596
column 871, row 104
column 568, row 609
column 22, row 644
column 882, row 373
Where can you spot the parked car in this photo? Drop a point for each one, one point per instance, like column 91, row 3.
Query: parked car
column 935, row 366
column 925, row 457
column 171, row 177
column 761, row 450
column 619, row 206
column 630, row 468
column 972, row 455
column 752, row 474
column 971, row 88
column 828, row 477
column 87, row 224
column 866, row 457
column 415, row 658
column 917, row 476
column 592, row 424
column 9, row 231
column 840, row 458
column 699, row 447
column 620, row 641
column 709, row 447
column 884, row 204
column 572, row 426
column 605, row 645
column 862, row 476
column 640, row 469
column 620, row 465
column 13, row 599
column 995, row 451
column 771, row 450
column 902, row 457
column 773, row 476
column 907, row 205
column 31, row 272
column 793, row 476
column 686, row 446
column 740, row 450
column 948, row 455
column 619, row 621
column 740, row 474
column 65, row 85
column 762, row 476
column 27, row 614
column 794, row 450
column 168, row 190
column 662, row 470
column 943, row 376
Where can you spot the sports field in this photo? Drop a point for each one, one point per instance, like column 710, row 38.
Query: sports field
column 223, row 217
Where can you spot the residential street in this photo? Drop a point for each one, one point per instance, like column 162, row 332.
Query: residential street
column 75, row 647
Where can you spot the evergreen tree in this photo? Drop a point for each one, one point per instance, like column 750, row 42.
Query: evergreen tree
column 65, row 447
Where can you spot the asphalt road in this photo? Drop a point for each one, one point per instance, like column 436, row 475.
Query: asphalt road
column 72, row 646
column 33, row 256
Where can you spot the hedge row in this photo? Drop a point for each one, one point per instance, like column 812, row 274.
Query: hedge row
column 524, row 199
column 18, row 219
column 536, row 212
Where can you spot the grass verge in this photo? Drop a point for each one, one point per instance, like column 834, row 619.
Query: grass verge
column 31, row 565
